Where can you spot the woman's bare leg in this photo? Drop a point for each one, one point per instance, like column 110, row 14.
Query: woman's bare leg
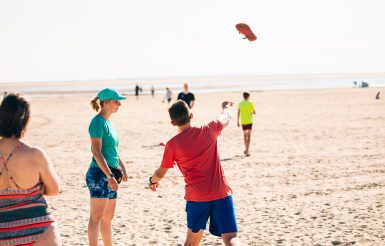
column 97, row 208
column 106, row 223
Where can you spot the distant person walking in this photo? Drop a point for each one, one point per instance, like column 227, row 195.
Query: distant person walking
column 168, row 95
column 137, row 89
column 152, row 91
column 378, row 96
column 106, row 169
column 187, row 96
column 245, row 118
column 26, row 176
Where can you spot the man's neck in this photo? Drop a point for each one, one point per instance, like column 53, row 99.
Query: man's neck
column 184, row 127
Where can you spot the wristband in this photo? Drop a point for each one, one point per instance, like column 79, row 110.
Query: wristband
column 151, row 183
column 111, row 176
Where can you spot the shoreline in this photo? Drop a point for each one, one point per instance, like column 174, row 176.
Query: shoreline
column 212, row 78
column 146, row 92
column 200, row 84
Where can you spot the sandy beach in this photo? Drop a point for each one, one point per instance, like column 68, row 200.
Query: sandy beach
column 315, row 175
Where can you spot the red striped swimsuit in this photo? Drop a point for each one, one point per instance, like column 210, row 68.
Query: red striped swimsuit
column 24, row 214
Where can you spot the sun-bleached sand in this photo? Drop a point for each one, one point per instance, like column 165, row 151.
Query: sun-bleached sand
column 315, row 175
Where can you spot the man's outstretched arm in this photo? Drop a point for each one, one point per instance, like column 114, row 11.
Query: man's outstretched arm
column 225, row 116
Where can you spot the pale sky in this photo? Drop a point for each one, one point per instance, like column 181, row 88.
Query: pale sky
column 49, row 40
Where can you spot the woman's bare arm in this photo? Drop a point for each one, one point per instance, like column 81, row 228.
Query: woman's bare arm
column 47, row 173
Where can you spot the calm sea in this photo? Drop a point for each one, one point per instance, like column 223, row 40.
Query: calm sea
column 88, row 88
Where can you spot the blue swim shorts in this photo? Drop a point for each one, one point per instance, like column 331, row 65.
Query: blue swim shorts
column 221, row 213
column 98, row 184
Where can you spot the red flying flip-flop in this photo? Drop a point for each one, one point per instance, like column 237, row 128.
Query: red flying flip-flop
column 245, row 30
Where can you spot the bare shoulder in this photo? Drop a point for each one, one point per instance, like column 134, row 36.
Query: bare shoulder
column 36, row 153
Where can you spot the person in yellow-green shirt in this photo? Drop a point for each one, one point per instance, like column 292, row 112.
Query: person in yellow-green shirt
column 245, row 114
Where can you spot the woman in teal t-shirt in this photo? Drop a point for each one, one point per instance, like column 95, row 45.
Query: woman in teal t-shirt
column 100, row 179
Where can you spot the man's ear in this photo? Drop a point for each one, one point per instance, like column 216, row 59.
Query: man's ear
column 173, row 123
column 191, row 116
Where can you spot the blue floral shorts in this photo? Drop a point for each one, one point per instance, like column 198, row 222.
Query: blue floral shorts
column 98, row 184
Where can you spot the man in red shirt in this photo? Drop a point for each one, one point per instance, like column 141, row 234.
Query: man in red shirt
column 207, row 192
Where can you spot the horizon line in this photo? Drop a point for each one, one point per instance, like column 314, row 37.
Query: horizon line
column 213, row 78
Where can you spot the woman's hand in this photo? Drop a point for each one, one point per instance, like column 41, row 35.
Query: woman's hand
column 125, row 177
column 124, row 171
column 113, row 184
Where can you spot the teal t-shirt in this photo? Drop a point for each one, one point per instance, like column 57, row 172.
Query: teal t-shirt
column 104, row 129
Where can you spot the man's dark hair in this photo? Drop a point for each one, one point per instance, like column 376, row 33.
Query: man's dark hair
column 179, row 113
column 14, row 114
column 246, row 95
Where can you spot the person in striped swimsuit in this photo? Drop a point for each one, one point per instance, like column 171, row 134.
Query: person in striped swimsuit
column 26, row 175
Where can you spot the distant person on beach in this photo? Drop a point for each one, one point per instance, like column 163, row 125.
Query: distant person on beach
column 106, row 169
column 168, row 95
column 26, row 176
column 378, row 96
column 137, row 89
column 245, row 118
column 187, row 96
column 207, row 191
column 4, row 95
column 152, row 91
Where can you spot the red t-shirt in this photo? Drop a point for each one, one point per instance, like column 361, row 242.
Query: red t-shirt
column 195, row 152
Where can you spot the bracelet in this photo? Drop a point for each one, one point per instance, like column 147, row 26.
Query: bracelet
column 151, row 183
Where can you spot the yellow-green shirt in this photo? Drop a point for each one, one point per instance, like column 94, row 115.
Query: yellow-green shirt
column 246, row 109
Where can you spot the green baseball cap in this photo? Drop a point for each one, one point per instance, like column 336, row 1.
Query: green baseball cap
column 110, row 94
